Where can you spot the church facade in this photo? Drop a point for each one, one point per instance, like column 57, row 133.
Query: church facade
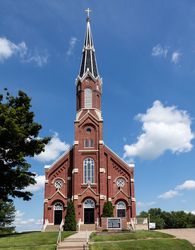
column 90, row 173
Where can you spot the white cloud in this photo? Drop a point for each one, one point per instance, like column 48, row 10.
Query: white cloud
column 164, row 128
column 187, row 185
column 145, row 204
column 40, row 179
column 9, row 49
column 72, row 44
column 169, row 194
column 40, row 59
column 176, row 56
column 160, row 51
column 53, row 149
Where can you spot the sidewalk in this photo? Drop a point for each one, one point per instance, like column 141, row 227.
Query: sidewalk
column 75, row 241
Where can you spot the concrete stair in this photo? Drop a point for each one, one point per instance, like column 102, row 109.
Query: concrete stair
column 52, row 228
column 87, row 227
column 76, row 241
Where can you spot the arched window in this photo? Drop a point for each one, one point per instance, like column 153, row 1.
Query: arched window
column 88, row 143
column 58, row 206
column 88, row 98
column 121, row 209
column 88, row 167
column 89, row 203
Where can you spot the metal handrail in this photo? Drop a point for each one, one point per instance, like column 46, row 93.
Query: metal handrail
column 59, row 239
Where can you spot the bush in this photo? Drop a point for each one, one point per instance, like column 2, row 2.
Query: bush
column 108, row 209
column 70, row 218
column 174, row 219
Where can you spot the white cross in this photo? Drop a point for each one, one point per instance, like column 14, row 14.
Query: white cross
column 88, row 11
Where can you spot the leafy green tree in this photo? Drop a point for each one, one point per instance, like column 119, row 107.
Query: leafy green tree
column 108, row 209
column 7, row 215
column 70, row 218
column 18, row 140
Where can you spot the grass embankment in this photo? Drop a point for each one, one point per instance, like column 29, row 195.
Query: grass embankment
column 140, row 240
column 31, row 240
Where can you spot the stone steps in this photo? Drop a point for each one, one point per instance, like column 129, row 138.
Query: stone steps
column 87, row 227
column 52, row 228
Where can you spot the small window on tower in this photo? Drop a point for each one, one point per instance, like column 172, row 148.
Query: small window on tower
column 88, row 143
column 88, row 130
column 88, row 98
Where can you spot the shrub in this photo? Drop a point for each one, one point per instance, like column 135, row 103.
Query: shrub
column 70, row 218
column 108, row 209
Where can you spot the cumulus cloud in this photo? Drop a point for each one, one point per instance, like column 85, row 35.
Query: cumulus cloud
column 176, row 56
column 9, row 49
column 145, row 204
column 53, row 149
column 164, row 128
column 160, row 51
column 169, row 194
column 187, row 185
column 25, row 224
column 71, row 47
column 40, row 179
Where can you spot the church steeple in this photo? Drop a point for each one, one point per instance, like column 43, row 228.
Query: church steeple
column 88, row 82
column 88, row 62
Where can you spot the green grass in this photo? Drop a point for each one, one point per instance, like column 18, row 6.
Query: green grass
column 128, row 236
column 154, row 244
column 139, row 240
column 31, row 240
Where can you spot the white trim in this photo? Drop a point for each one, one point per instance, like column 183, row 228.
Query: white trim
column 102, row 197
column 133, row 199
column 132, row 165
column 109, row 177
column 118, row 157
column 88, row 150
column 76, row 142
column 101, row 142
column 102, row 170
column 75, row 197
column 46, row 181
column 75, row 170
column 61, row 156
column 132, row 180
column 69, row 178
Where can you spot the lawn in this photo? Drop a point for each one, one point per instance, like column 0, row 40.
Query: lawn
column 140, row 240
column 31, row 240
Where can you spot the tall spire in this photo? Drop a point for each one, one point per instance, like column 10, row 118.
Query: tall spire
column 88, row 63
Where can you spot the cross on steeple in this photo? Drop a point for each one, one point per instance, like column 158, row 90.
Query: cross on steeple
column 88, row 12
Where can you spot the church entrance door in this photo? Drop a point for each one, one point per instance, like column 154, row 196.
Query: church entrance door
column 89, row 207
column 58, row 207
column 58, row 217
column 89, row 216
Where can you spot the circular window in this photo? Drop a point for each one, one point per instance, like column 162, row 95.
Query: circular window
column 88, row 130
column 58, row 184
column 120, row 182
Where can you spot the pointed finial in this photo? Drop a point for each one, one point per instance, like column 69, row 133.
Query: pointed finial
column 88, row 12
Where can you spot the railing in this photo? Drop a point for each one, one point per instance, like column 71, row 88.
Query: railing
column 45, row 225
column 59, row 239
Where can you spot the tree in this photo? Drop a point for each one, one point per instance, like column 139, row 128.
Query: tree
column 18, row 140
column 108, row 209
column 70, row 218
column 7, row 215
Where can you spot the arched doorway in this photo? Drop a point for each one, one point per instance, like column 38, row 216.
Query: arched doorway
column 58, row 208
column 89, row 207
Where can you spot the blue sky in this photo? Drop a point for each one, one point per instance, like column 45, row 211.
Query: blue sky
column 146, row 56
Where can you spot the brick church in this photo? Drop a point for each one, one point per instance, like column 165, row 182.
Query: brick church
column 90, row 173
